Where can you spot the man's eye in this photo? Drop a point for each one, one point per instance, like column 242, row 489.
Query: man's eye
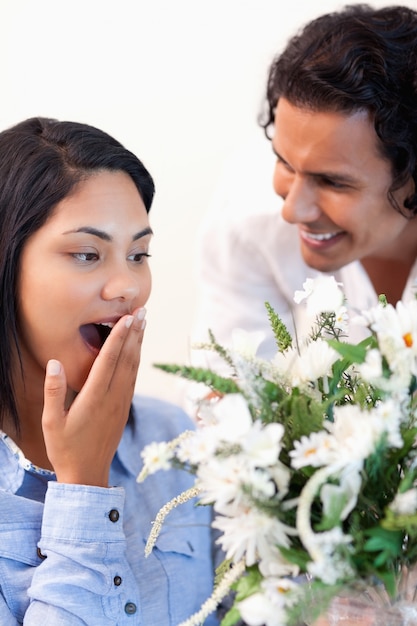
column 334, row 184
column 280, row 161
column 139, row 257
column 84, row 257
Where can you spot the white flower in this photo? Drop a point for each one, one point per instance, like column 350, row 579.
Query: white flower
column 246, row 343
column 221, row 480
column 283, row 363
column 387, row 417
column 260, row 483
column 157, row 456
column 355, row 434
column 396, row 331
column 323, row 294
column 281, row 591
column 259, row 610
column 199, row 447
column 341, row 321
column 274, row 565
column 330, row 567
column 405, row 503
column 281, row 475
column 261, row 443
column 371, row 368
column 303, row 366
column 316, row 450
column 314, row 361
column 250, row 535
column 232, row 417
column 270, row 481
column 267, row 607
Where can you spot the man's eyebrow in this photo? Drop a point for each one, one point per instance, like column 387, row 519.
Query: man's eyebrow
column 101, row 234
column 338, row 177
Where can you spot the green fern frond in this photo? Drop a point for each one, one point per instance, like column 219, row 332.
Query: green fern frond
column 201, row 375
column 221, row 351
column 282, row 336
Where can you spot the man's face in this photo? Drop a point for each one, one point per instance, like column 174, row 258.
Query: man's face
column 334, row 183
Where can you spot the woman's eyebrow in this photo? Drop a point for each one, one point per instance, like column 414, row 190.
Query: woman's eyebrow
column 101, row 234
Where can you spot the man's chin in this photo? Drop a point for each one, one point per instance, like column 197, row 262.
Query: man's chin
column 326, row 266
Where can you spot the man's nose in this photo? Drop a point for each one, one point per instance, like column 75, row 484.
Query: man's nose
column 300, row 198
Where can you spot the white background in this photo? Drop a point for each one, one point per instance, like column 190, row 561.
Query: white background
column 178, row 82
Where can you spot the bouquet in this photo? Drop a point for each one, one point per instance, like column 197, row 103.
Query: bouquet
column 309, row 460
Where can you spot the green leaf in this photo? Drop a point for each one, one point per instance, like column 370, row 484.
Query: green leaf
column 248, row 584
column 332, row 517
column 201, row 375
column 353, row 353
column 390, row 581
column 232, row 617
column 386, row 543
column 298, row 557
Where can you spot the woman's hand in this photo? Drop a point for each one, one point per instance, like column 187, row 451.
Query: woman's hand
column 82, row 441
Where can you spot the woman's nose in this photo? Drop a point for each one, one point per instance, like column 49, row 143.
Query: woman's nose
column 300, row 198
column 121, row 284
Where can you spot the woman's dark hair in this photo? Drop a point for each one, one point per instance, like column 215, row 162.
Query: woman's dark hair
column 358, row 58
column 41, row 162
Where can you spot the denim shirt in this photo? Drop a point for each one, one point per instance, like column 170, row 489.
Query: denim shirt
column 74, row 554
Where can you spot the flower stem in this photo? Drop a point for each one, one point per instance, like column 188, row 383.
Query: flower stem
column 221, row 590
column 183, row 497
column 311, row 488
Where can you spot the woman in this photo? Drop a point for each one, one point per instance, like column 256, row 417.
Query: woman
column 74, row 279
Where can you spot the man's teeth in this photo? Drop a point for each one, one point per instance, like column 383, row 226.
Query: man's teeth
column 321, row 236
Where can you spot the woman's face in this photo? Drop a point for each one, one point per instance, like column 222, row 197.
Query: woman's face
column 335, row 184
column 80, row 272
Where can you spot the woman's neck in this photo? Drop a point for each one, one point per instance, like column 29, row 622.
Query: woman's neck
column 29, row 404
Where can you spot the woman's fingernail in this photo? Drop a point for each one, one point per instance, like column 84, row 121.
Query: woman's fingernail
column 141, row 314
column 128, row 321
column 143, row 324
column 53, row 368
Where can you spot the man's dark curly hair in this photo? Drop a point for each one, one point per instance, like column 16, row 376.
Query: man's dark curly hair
column 358, row 58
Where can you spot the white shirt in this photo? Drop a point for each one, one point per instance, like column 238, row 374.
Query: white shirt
column 246, row 262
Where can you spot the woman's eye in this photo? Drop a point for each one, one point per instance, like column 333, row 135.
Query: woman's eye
column 138, row 257
column 85, row 257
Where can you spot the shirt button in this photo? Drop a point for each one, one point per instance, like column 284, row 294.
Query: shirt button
column 114, row 515
column 130, row 608
column 117, row 581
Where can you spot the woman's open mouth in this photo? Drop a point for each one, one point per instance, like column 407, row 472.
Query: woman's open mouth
column 94, row 335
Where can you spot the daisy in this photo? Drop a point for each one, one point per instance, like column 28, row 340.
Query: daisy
column 250, row 535
column 316, row 450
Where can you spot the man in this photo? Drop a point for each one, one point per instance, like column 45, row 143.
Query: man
column 342, row 118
